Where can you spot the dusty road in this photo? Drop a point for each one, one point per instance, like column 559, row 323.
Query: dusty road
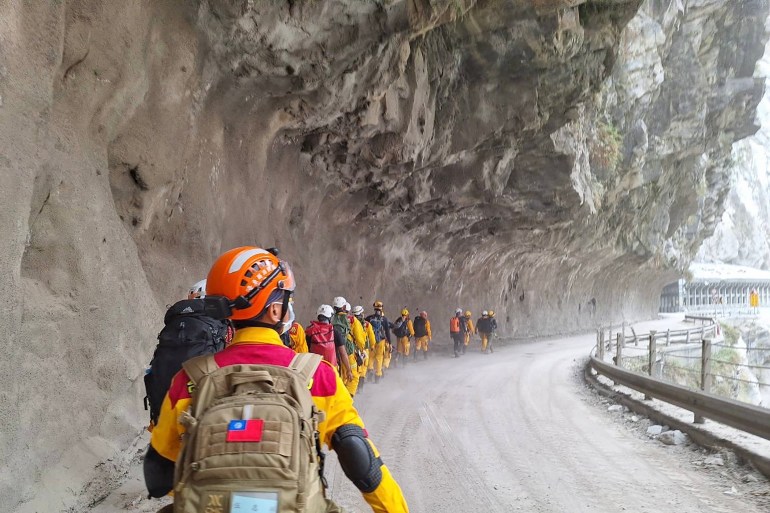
column 511, row 431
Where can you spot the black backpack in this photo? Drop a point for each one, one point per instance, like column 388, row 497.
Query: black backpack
column 419, row 327
column 401, row 328
column 188, row 333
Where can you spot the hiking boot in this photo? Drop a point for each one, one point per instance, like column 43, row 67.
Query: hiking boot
column 463, row 349
column 425, row 355
column 491, row 350
column 376, row 379
column 457, row 355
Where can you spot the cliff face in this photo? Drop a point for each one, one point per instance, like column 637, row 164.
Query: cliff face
column 742, row 237
column 552, row 160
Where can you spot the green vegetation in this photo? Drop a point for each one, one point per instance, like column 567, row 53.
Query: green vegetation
column 731, row 333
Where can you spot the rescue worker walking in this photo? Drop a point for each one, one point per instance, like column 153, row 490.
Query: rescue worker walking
column 254, row 288
column 369, row 342
column 483, row 329
column 381, row 327
column 455, row 331
column 468, row 330
column 422, row 334
column 342, row 324
column 492, row 329
column 357, row 336
column 321, row 337
column 403, row 329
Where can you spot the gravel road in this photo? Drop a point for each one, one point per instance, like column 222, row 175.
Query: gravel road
column 511, row 431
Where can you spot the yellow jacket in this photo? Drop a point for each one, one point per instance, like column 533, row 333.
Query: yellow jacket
column 264, row 346
column 427, row 329
column 469, row 323
column 297, row 337
column 371, row 338
column 357, row 333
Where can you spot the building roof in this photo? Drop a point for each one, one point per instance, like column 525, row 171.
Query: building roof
column 715, row 273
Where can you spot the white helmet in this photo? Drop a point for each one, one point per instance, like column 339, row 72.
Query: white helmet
column 358, row 310
column 459, row 311
column 347, row 307
column 198, row 290
column 338, row 302
column 326, row 310
column 484, row 313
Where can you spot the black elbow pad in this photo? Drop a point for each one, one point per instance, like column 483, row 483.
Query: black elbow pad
column 357, row 457
column 158, row 474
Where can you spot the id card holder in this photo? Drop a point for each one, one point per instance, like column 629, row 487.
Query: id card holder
column 253, row 502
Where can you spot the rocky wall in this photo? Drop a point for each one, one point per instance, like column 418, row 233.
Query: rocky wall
column 556, row 161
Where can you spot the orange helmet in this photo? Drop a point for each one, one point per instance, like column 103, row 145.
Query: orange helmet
column 252, row 278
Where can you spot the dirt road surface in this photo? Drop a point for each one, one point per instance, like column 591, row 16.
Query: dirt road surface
column 511, row 431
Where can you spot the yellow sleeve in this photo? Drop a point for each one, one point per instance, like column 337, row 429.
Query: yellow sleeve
column 357, row 331
column 339, row 409
column 370, row 335
column 298, row 340
column 470, row 326
column 166, row 437
column 410, row 327
column 427, row 328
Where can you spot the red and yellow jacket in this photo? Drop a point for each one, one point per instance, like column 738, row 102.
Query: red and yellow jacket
column 264, row 346
column 297, row 337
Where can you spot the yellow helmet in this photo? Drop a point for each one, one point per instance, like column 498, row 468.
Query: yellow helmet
column 468, row 313
column 405, row 312
column 377, row 305
column 491, row 313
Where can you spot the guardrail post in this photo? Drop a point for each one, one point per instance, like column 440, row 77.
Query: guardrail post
column 619, row 351
column 636, row 339
column 600, row 344
column 705, row 372
column 687, row 340
column 668, row 337
column 652, row 357
column 623, row 331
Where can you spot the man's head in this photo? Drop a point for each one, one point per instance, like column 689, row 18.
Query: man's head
column 325, row 313
column 459, row 312
column 339, row 304
column 404, row 313
column 257, row 284
column 424, row 315
column 198, row 290
column 468, row 314
column 485, row 314
column 358, row 311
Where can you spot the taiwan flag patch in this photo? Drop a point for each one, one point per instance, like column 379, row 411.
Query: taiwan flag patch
column 245, row 430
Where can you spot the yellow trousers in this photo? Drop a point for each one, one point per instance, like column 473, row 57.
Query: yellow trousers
column 404, row 346
column 484, row 340
column 363, row 368
column 352, row 385
column 388, row 356
column 421, row 344
column 379, row 357
column 371, row 356
column 467, row 338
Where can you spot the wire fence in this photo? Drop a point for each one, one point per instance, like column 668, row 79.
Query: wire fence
column 732, row 370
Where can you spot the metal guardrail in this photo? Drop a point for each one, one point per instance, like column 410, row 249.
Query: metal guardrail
column 746, row 417
column 740, row 415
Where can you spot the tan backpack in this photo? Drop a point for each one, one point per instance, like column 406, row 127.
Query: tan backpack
column 252, row 442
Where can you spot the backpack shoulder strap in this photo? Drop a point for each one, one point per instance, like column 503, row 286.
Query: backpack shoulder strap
column 199, row 366
column 305, row 364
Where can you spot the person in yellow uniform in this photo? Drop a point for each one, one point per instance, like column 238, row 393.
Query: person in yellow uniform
column 257, row 287
column 357, row 336
column 369, row 342
column 468, row 331
column 381, row 327
column 404, row 330
column 484, row 328
column 422, row 334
